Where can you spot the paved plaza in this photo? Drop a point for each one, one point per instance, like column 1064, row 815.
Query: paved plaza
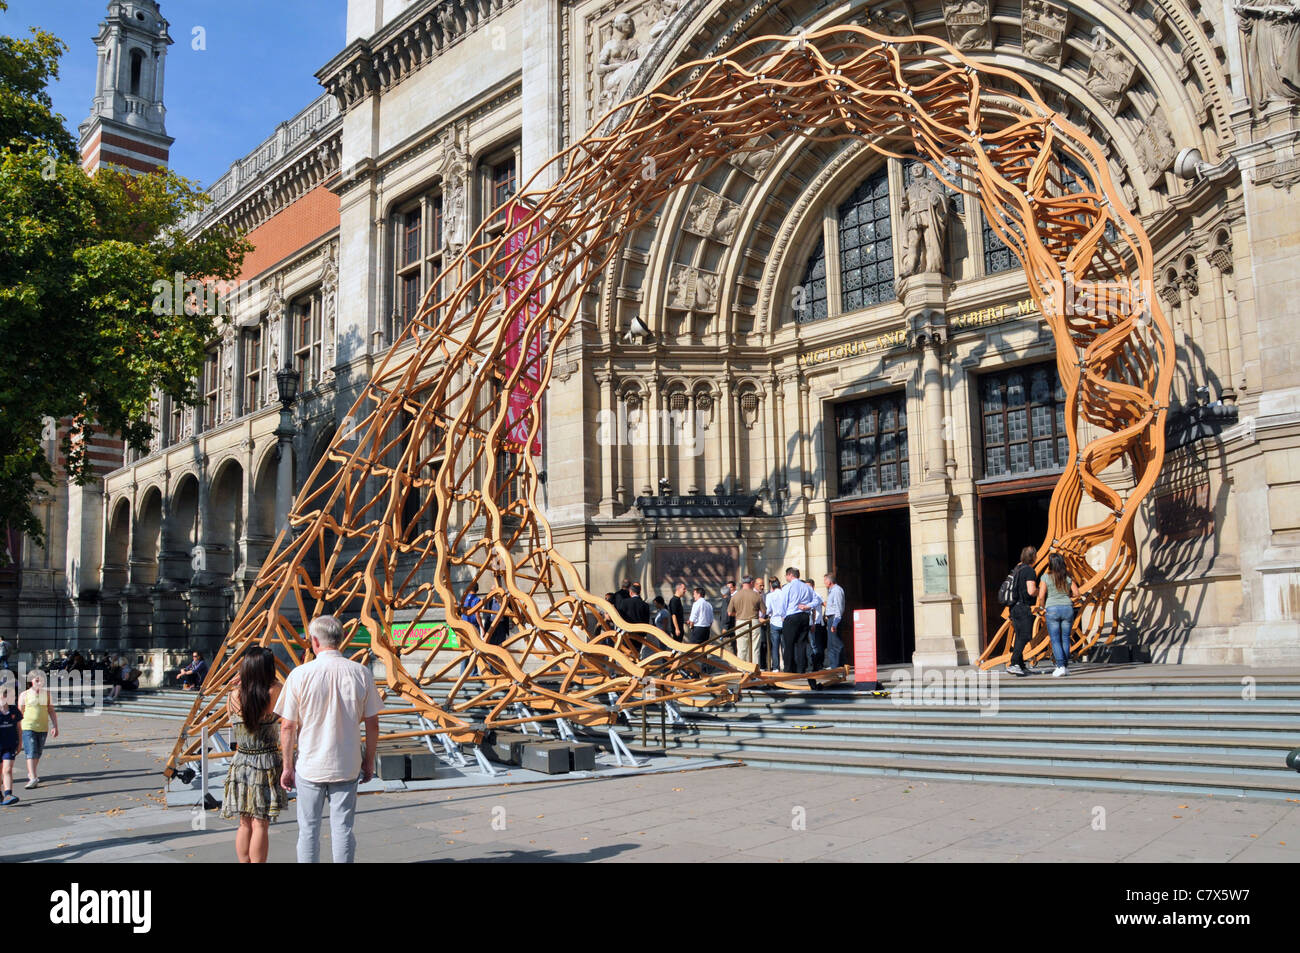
column 101, row 801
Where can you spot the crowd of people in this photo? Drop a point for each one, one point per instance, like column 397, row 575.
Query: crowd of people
column 780, row 623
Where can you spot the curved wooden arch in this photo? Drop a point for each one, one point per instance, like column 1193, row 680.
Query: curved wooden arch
column 432, row 492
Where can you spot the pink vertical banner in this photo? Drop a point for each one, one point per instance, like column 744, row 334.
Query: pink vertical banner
column 522, row 253
column 864, row 647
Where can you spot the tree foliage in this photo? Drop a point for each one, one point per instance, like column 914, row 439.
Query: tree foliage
column 80, row 336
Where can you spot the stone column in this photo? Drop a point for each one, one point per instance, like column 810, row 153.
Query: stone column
column 728, row 433
column 654, row 436
column 938, row 637
column 765, row 485
column 607, row 431
column 207, row 583
column 284, row 434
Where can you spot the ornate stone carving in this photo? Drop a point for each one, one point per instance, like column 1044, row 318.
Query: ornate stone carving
column 924, row 209
column 619, row 58
column 969, row 24
column 665, row 10
column 274, row 316
column 227, row 398
column 889, row 20
column 1270, row 39
column 1109, row 72
column 754, row 163
column 1043, row 28
column 1190, row 280
column 690, row 289
column 1155, row 147
column 712, row 216
column 329, row 287
column 1220, row 257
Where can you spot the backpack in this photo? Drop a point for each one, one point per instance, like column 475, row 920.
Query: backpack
column 1007, row 591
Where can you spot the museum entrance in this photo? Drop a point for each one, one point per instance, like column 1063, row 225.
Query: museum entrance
column 1010, row 518
column 872, row 555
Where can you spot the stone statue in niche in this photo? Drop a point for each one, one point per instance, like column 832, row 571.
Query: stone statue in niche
column 453, row 204
column 1155, row 147
column 1110, row 71
column 712, row 216
column 329, row 286
column 1042, row 31
column 925, row 222
column 1270, row 39
column 617, row 64
column 690, row 289
column 969, row 24
column 228, row 339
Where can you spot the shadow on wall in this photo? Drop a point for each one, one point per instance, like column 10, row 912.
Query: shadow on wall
column 1168, row 598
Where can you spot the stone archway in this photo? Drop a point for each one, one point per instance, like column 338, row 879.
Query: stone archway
column 483, row 357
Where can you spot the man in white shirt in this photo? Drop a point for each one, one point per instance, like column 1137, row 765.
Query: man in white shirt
column 772, row 600
column 321, row 707
column 701, row 617
column 829, row 648
column 798, row 601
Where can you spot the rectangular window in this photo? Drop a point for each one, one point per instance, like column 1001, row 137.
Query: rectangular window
column 307, row 340
column 211, row 389
column 871, row 443
column 503, row 182
column 254, row 376
column 1023, row 414
column 417, row 257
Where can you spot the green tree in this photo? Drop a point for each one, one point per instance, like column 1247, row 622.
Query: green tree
column 80, row 335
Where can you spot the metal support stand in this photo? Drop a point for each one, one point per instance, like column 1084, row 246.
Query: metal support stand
column 484, row 764
column 451, row 752
column 428, row 739
column 523, row 711
column 565, row 729
column 674, row 713
column 621, row 750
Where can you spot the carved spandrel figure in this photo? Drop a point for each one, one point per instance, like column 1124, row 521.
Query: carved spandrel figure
column 619, row 58
column 1042, row 27
column 968, row 23
column 1270, row 35
column 1110, row 71
column 666, row 10
column 925, row 223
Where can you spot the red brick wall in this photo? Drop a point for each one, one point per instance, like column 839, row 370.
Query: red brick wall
column 290, row 229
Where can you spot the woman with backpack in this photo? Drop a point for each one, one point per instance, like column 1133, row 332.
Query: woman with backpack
column 1056, row 592
column 1023, row 592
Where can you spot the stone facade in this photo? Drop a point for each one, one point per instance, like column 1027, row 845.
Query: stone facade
column 898, row 430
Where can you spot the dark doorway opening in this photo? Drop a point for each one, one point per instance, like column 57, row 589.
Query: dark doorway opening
column 873, row 562
column 1008, row 523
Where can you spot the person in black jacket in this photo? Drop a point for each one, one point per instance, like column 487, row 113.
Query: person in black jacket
column 621, row 596
column 1025, row 587
column 635, row 609
column 677, row 611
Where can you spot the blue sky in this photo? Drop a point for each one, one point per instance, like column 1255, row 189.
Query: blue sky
column 256, row 71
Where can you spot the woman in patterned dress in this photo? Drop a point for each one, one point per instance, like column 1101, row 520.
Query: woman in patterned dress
column 253, row 791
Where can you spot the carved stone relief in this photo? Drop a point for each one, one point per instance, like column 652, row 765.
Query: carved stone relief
column 455, row 205
column 1109, row 72
column 616, row 64
column 1043, row 28
column 691, row 289
column 1155, row 147
column 329, row 287
column 969, row 24
column 712, row 216
column 227, row 398
column 754, row 163
column 889, row 20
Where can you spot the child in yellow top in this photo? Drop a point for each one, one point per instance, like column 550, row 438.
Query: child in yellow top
column 38, row 720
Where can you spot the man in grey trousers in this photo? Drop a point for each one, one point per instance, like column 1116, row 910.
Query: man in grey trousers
column 321, row 709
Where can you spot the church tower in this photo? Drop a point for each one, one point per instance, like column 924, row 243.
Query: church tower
column 125, row 127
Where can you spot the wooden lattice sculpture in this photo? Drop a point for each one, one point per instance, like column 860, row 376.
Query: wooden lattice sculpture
column 430, row 482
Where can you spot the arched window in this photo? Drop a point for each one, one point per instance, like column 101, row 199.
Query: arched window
column 137, row 68
column 810, row 305
column 866, row 245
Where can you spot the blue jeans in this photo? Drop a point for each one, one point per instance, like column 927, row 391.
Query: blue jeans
column 342, row 796
column 774, row 648
column 1059, row 619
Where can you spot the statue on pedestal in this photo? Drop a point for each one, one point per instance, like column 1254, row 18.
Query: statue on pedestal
column 925, row 223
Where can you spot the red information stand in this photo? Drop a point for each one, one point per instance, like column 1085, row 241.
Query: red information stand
column 864, row 648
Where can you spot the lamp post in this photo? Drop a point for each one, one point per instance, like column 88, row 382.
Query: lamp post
column 286, row 383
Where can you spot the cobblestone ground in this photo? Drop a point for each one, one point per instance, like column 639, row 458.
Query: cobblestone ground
column 100, row 800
